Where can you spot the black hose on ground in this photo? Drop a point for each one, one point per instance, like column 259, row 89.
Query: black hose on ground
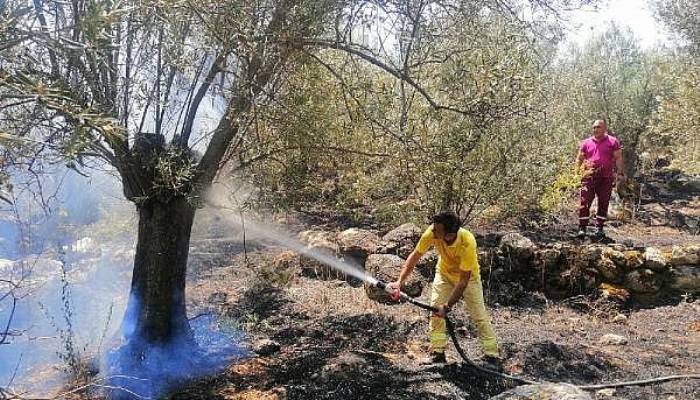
column 455, row 342
column 640, row 382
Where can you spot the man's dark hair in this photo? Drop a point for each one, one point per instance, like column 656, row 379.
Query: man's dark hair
column 448, row 219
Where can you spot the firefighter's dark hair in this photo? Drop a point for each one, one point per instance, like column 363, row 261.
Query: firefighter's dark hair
column 448, row 219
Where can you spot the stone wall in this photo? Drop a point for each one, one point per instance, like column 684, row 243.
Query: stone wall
column 557, row 269
column 564, row 269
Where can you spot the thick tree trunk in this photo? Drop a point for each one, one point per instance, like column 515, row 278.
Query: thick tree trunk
column 156, row 312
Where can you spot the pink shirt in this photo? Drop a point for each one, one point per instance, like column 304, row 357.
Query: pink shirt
column 599, row 154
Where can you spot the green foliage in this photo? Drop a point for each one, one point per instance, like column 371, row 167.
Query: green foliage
column 347, row 137
column 272, row 274
column 249, row 323
column 683, row 17
column 676, row 125
column 555, row 197
column 174, row 172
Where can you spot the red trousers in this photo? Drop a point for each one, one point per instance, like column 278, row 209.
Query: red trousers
column 592, row 187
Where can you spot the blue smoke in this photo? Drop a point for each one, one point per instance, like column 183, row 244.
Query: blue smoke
column 99, row 282
column 9, row 239
column 149, row 370
column 69, row 200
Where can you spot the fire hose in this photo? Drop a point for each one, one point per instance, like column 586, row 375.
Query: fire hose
column 398, row 295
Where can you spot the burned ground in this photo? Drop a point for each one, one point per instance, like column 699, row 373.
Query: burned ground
column 332, row 342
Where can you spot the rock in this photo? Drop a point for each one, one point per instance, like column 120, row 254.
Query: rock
column 547, row 258
column 654, row 259
column 311, row 237
column 426, row 265
column 386, row 267
column 591, row 253
column 609, row 392
column 610, row 271
column 685, row 278
column 317, row 258
column 614, row 292
column 612, row 340
column 620, row 319
column 676, row 219
column 633, row 259
column 358, row 243
column 405, row 251
column 642, row 281
column 628, row 242
column 266, row 347
column 406, row 233
column 544, row 391
column 402, row 239
column 686, row 184
column 654, row 209
column 488, row 259
column 684, row 256
column 566, row 250
column 487, row 239
column 343, row 367
column 517, row 247
column 616, row 256
column 86, row 245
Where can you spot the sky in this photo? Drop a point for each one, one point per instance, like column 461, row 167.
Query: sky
column 637, row 14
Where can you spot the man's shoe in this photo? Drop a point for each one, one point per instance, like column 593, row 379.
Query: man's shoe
column 581, row 234
column 434, row 358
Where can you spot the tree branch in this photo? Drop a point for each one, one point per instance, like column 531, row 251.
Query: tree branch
column 197, row 99
column 354, row 50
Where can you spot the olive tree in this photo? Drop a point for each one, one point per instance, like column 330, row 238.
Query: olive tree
column 675, row 126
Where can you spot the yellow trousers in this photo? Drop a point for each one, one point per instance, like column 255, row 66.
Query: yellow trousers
column 474, row 301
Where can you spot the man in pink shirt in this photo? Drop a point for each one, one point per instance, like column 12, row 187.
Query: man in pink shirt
column 600, row 157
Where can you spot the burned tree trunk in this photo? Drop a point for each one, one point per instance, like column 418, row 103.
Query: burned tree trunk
column 159, row 345
column 156, row 312
column 156, row 180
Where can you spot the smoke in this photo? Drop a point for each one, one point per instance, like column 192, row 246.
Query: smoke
column 73, row 281
column 220, row 199
column 139, row 369
column 61, row 290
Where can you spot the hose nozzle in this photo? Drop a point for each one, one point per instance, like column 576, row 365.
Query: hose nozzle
column 394, row 293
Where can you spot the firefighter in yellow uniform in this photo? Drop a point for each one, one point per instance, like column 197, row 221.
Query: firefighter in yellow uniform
column 456, row 276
